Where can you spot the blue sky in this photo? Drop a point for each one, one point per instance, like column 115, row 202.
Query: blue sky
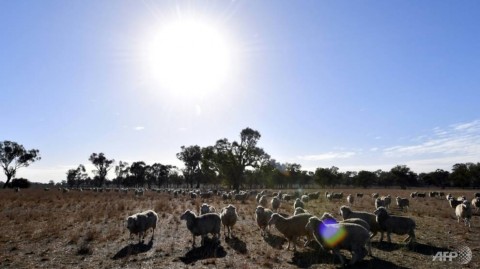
column 354, row 84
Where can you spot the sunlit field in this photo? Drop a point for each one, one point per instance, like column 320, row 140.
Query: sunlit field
column 87, row 229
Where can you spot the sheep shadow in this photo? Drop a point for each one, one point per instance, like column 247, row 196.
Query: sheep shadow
column 318, row 256
column 210, row 249
column 236, row 244
column 427, row 250
column 385, row 246
column 308, row 258
column 274, row 241
column 133, row 249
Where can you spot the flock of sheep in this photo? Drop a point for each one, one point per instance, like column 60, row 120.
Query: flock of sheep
column 354, row 233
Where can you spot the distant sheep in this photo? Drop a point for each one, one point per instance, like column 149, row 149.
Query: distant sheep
column 229, row 218
column 305, row 198
column 314, row 196
column 375, row 195
column 242, row 196
column 263, row 201
column 421, row 195
column 369, row 218
column 395, row 224
column 139, row 192
column 476, row 203
column 299, row 210
column 361, row 222
column 355, row 240
column 298, row 203
column 359, row 195
column 379, row 202
column 464, row 211
column 262, row 216
column 291, row 227
column 454, row 203
column 202, row 225
column 402, row 202
column 140, row 223
column 206, row 209
column 350, row 199
column 275, row 202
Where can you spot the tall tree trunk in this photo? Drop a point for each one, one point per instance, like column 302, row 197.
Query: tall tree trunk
column 9, row 177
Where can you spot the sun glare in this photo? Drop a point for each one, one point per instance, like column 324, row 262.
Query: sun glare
column 190, row 57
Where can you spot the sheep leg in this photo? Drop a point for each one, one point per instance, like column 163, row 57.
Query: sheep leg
column 389, row 238
column 193, row 240
column 369, row 245
column 337, row 252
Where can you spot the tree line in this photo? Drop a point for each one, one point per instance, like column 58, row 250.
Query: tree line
column 235, row 165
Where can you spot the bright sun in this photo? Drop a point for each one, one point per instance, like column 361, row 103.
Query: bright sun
column 190, row 57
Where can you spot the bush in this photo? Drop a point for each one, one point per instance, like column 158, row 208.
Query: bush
column 22, row 183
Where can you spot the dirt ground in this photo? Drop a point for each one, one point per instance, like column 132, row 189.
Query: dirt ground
column 86, row 229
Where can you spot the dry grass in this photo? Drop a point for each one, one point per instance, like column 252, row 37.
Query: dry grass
column 87, row 230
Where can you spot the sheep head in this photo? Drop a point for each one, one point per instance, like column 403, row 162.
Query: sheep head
column 131, row 222
column 273, row 219
column 327, row 216
column 187, row 215
column 260, row 209
column 345, row 211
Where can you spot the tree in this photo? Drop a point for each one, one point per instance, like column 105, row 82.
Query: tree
column 191, row 157
column 404, row 176
column 21, row 183
column 75, row 177
column 138, row 173
column 365, row 178
column 121, row 171
column 102, row 164
column 327, row 176
column 230, row 159
column 14, row 156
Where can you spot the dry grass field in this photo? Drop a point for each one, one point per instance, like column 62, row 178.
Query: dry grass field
column 86, row 229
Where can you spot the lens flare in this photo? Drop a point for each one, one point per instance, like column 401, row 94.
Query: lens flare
column 332, row 233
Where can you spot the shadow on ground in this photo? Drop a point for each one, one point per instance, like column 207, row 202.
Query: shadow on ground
column 210, row 249
column 309, row 258
column 236, row 244
column 427, row 249
column 133, row 249
column 274, row 240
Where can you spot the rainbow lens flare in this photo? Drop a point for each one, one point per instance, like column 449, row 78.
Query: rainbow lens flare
column 332, row 233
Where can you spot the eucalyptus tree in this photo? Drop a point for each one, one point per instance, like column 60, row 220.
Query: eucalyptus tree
column 102, row 165
column 14, row 156
column 230, row 159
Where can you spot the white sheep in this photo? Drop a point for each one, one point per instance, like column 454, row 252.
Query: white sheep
column 355, row 238
column 305, row 198
column 379, row 202
column 395, row 224
column 350, row 199
column 454, row 203
column 299, row 210
column 263, row 201
column 140, row 223
column 464, row 211
column 402, row 202
column 229, row 218
column 291, row 227
column 262, row 216
column 202, row 225
column 206, row 208
column 369, row 218
column 361, row 222
column 476, row 203
column 275, row 202
column 298, row 203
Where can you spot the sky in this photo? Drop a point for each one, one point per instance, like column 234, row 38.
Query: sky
column 360, row 85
